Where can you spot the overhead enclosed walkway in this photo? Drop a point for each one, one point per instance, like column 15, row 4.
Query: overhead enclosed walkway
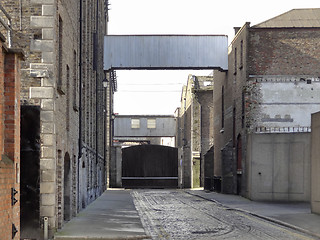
column 165, row 52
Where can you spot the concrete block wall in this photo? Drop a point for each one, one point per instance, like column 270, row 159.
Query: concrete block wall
column 315, row 163
column 279, row 167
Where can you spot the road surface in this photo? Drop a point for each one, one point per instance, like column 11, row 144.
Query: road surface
column 175, row 214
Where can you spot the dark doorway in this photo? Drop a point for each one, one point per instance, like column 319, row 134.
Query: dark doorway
column 30, row 172
column 150, row 166
column 67, row 188
column 208, row 170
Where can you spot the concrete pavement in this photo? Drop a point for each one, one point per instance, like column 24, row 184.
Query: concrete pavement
column 112, row 216
column 295, row 215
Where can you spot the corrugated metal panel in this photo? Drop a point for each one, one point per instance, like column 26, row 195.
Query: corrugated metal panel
column 165, row 52
column 165, row 127
column 309, row 17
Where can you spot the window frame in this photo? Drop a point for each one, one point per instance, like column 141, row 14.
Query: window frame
column 135, row 123
column 151, row 123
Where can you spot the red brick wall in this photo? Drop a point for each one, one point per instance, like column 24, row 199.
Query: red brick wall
column 1, row 100
column 10, row 136
column 284, row 51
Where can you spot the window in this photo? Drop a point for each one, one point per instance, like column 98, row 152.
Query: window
column 235, row 61
column 222, row 107
column 241, row 54
column 75, row 82
column 234, row 124
column 60, row 44
column 135, row 123
column 151, row 123
column 68, row 100
column 243, row 110
column 239, row 154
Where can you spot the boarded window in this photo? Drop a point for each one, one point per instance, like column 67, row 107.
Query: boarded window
column 135, row 123
column 151, row 123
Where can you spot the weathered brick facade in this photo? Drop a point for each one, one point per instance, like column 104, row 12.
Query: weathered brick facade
column 284, row 51
column 61, row 91
column 195, row 128
column 272, row 77
column 9, row 142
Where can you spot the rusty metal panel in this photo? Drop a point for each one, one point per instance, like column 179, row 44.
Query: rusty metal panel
column 165, row 52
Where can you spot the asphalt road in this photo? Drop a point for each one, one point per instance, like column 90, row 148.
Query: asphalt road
column 174, row 214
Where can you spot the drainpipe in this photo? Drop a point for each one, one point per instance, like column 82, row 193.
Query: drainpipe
column 45, row 228
column 80, row 102
column 20, row 13
column 96, row 41
column 184, row 141
column 110, row 142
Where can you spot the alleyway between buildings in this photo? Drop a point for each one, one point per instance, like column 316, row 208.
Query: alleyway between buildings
column 186, row 214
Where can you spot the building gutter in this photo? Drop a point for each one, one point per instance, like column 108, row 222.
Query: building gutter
column 97, row 82
column 80, row 101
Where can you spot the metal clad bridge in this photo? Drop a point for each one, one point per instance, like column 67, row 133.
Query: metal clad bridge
column 165, row 52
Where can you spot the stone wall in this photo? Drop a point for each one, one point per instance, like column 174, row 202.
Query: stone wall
column 229, row 170
column 57, row 68
column 206, row 130
column 195, row 133
column 220, row 138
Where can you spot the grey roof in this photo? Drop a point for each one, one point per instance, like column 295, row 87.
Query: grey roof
column 308, row 17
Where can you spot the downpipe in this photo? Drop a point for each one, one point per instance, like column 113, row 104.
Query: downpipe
column 45, row 228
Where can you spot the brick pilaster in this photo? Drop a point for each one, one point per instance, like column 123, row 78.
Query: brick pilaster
column 9, row 142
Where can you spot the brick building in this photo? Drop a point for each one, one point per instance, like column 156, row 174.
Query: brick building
column 263, row 108
column 9, row 137
column 63, row 125
column 195, row 128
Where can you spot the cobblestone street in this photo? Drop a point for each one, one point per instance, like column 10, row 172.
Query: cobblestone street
column 174, row 214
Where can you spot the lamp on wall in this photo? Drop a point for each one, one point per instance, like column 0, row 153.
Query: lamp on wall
column 105, row 82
